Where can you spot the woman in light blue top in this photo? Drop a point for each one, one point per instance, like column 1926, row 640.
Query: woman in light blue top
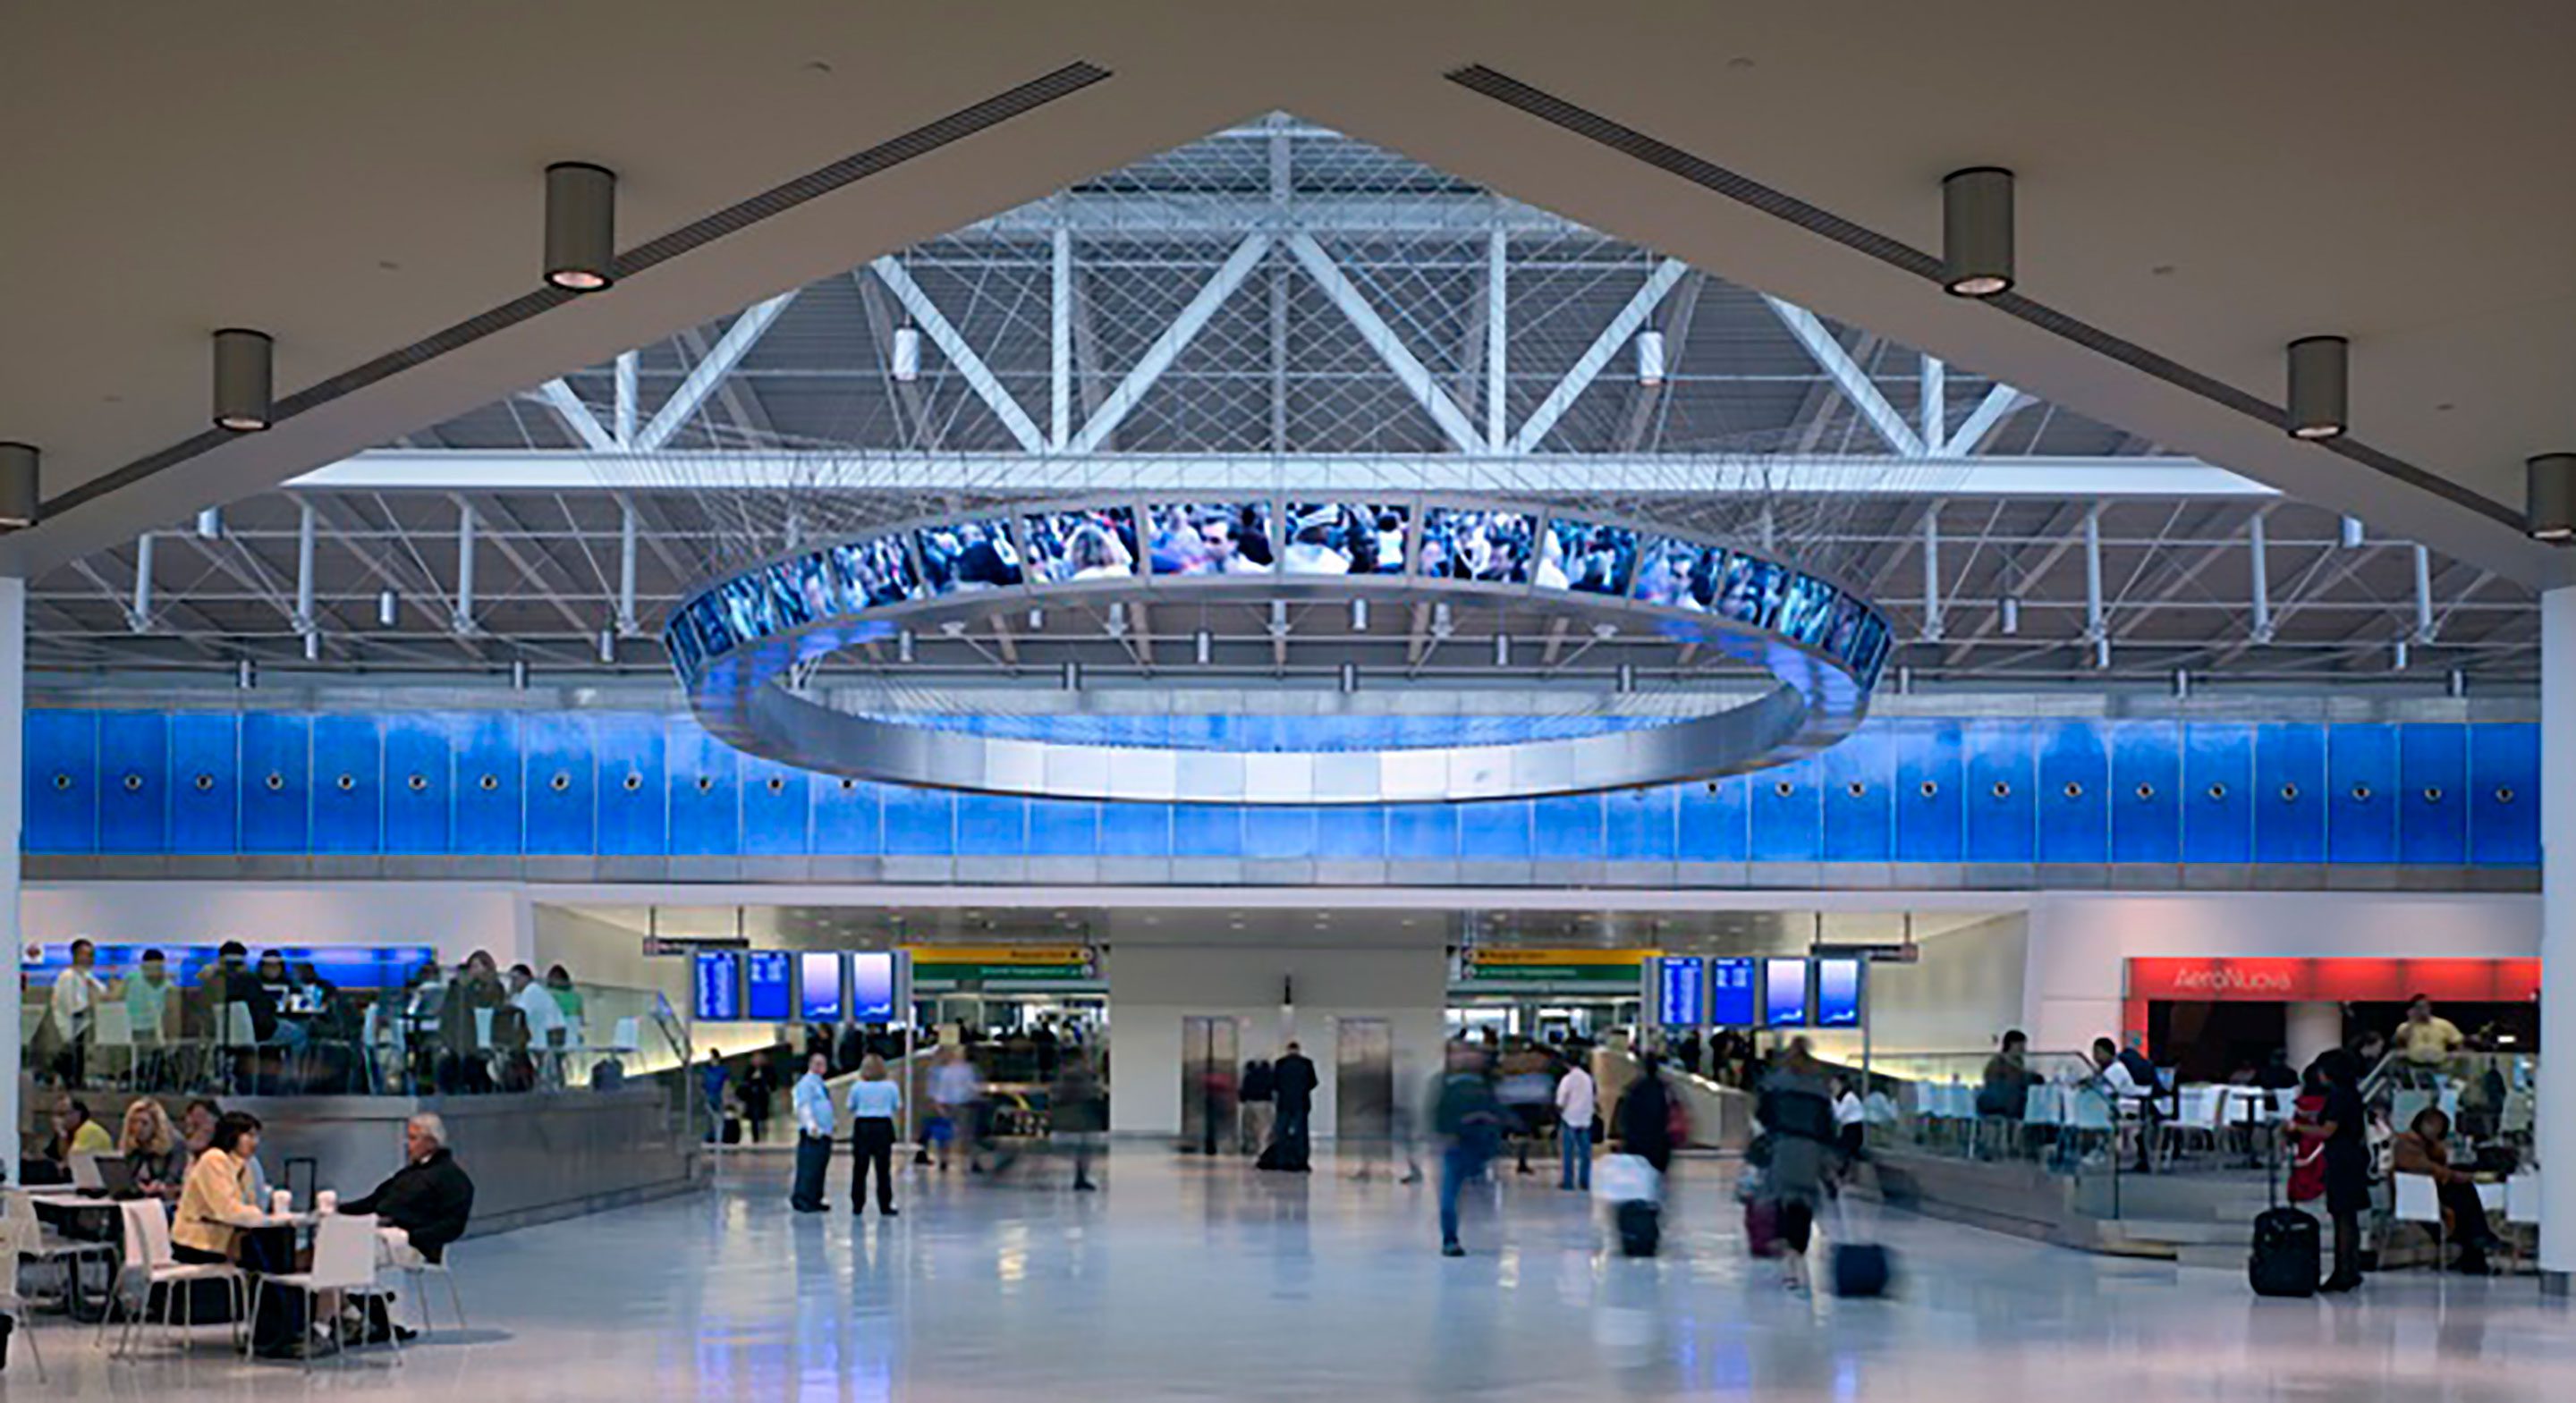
column 874, row 1104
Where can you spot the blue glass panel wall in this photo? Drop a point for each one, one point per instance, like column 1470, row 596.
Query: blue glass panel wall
column 2074, row 776
column 1495, row 832
column 705, row 807
column 420, row 781
column 1640, row 823
column 777, row 811
column 2504, row 794
column 277, row 764
column 348, row 784
column 62, row 781
column 2433, row 770
column 2361, row 794
column 2002, row 785
column 2146, row 789
column 631, row 784
column 1711, row 822
column 133, row 782
column 2218, row 793
column 849, row 817
column 205, row 782
column 1859, row 799
column 2289, row 793
column 488, row 807
column 1788, row 813
column 1931, row 791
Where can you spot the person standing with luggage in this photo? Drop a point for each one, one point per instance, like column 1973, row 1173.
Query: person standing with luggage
column 874, row 1104
column 1256, row 1094
column 1576, row 1100
column 1074, row 1112
column 1470, row 1123
column 813, row 1104
column 759, row 1084
column 1796, row 1111
column 1646, row 1116
column 2343, row 1125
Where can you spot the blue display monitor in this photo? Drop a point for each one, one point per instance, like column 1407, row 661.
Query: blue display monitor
column 1838, row 993
column 872, row 986
column 1784, row 993
column 769, row 994
column 1681, row 990
column 818, row 987
column 717, row 980
column 1731, row 999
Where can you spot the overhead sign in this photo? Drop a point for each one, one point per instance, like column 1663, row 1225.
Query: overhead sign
column 2333, row 980
column 769, row 979
column 1521, row 966
column 1681, row 991
column 716, row 979
column 667, row 945
column 962, row 963
column 1732, row 1000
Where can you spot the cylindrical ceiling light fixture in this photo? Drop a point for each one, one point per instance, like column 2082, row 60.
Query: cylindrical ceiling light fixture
column 903, row 646
column 1359, row 614
column 388, row 609
column 581, row 226
column 907, row 353
column 2010, row 625
column 1350, row 677
column 243, row 363
column 518, row 674
column 246, row 674
column 1203, row 647
column 1977, row 231
column 313, row 645
column 210, row 524
column 2320, row 387
column 1502, row 650
column 1072, row 676
column 1650, row 357
column 2549, row 500
column 608, row 647
column 19, row 499
column 1627, row 678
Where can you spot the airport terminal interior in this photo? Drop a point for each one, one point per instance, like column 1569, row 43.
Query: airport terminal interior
column 1160, row 702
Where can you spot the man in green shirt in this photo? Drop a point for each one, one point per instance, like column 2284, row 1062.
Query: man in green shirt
column 147, row 998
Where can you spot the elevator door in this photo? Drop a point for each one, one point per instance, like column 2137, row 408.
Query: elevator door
column 1210, row 1058
column 1364, row 1081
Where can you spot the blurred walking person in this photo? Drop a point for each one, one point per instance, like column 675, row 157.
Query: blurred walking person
column 953, row 1094
column 1293, row 1081
column 1074, row 1112
column 813, row 1103
column 1646, row 1115
column 1796, row 1111
column 1470, row 1123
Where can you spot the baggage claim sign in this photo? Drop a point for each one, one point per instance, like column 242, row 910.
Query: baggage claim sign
column 1614, row 972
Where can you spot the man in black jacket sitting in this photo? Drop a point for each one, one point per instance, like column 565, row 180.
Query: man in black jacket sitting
column 426, row 1203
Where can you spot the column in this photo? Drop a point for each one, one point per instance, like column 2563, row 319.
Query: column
column 2557, row 1128
column 2314, row 1028
column 13, row 763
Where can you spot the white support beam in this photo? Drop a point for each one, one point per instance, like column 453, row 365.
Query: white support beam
column 2427, row 628
column 2259, row 560
column 576, row 416
column 1167, row 347
column 1970, row 439
column 1497, row 338
column 1381, row 338
column 1933, row 412
column 720, row 361
column 1587, row 367
column 1848, row 377
column 2096, row 614
column 627, row 531
column 457, row 470
column 461, row 622
column 306, row 530
column 138, row 617
column 1060, row 341
column 629, row 390
column 944, row 334
column 1932, row 629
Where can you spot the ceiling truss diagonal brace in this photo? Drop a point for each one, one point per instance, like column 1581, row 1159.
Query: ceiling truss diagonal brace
column 1970, row 436
column 577, row 417
column 1381, row 338
column 1588, row 367
column 1167, row 347
column 1848, row 377
column 944, row 335
column 720, row 361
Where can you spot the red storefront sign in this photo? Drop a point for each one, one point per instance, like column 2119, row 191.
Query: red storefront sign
column 2336, row 980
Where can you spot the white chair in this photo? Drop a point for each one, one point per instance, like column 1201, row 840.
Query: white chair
column 148, row 1259
column 39, row 1243
column 112, row 1027
column 416, row 1269
column 2419, row 1200
column 13, row 1253
column 344, row 1264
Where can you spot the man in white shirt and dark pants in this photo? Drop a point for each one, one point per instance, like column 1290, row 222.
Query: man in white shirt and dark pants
column 813, row 1136
column 76, row 996
column 1575, row 1104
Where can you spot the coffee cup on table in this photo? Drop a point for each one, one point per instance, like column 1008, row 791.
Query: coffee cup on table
column 280, row 1203
column 326, row 1201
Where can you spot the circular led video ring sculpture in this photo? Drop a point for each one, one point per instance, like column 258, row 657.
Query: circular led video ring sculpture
column 734, row 641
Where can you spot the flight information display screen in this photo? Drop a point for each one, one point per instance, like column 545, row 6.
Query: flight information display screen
column 717, row 981
column 1731, row 999
column 769, row 986
column 1784, row 993
column 872, row 986
column 1838, row 993
column 818, row 987
column 1682, row 991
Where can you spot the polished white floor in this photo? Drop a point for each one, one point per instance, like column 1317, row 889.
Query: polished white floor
column 1195, row 1280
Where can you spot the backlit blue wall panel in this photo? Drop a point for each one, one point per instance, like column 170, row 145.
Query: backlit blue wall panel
column 1918, row 790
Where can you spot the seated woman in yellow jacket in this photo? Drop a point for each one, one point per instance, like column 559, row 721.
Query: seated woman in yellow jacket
column 215, row 1203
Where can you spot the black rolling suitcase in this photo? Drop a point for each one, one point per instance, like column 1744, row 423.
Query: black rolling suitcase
column 1641, row 1227
column 2286, row 1245
column 1861, row 1270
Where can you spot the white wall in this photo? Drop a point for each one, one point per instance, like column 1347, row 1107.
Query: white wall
column 456, row 918
column 594, row 951
column 1152, row 987
column 1964, row 991
column 2074, row 984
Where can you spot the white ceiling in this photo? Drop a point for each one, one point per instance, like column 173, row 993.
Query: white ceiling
column 2300, row 167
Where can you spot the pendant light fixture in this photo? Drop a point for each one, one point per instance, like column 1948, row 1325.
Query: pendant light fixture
column 20, row 502
column 2320, row 369
column 2549, row 503
column 581, row 226
column 244, row 361
column 1650, row 357
column 1977, row 231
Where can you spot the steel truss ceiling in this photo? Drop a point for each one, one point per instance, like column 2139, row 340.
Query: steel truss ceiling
column 1278, row 305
